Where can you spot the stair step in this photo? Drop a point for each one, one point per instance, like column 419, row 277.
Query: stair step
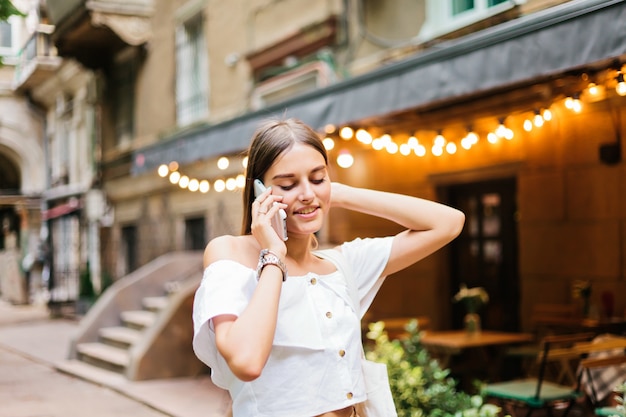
column 155, row 303
column 120, row 337
column 138, row 319
column 104, row 356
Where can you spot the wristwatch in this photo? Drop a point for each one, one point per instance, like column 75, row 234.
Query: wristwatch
column 267, row 257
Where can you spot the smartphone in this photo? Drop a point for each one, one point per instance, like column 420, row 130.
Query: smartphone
column 279, row 222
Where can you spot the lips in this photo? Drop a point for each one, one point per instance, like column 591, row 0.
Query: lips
column 306, row 210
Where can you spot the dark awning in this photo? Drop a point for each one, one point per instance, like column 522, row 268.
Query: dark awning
column 551, row 42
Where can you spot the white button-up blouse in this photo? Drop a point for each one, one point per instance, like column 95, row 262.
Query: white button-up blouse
column 315, row 362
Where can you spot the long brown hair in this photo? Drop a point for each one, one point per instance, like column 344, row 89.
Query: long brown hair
column 271, row 139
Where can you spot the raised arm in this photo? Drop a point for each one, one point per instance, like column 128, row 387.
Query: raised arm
column 430, row 225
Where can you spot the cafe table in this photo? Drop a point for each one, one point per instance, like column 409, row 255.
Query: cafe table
column 489, row 345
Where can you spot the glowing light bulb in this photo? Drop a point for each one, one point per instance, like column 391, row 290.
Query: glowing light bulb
column 420, row 150
column 219, row 185
column 466, row 143
column 437, row 150
column 163, row 171
column 378, row 144
column 241, row 181
column 620, row 88
column 345, row 159
column 204, row 186
column 439, row 140
column 231, row 184
column 538, row 120
column 412, row 142
column 451, row 148
column 501, row 130
column 492, row 137
column 173, row 166
column 405, row 149
column 329, row 143
column 174, row 177
column 473, row 138
column 593, row 89
column 183, row 182
column 194, row 184
column 346, row 133
column 363, row 136
column 528, row 125
column 547, row 115
column 223, row 163
column 392, row 148
column 244, row 162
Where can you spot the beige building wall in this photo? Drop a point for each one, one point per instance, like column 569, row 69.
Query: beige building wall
column 568, row 202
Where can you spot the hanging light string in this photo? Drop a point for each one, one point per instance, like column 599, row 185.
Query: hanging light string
column 333, row 138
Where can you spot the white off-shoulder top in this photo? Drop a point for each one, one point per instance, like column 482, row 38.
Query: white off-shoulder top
column 315, row 363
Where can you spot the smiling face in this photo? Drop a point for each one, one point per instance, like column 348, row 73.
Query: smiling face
column 300, row 175
column 271, row 144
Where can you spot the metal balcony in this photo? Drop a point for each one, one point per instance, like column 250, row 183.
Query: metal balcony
column 36, row 61
column 93, row 31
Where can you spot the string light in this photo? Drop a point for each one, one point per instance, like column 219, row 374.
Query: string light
column 620, row 88
column 363, row 136
column 345, row 159
column 346, row 133
column 329, row 143
column 412, row 145
column 223, row 163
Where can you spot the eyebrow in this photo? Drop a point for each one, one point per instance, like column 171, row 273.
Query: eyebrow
column 313, row 171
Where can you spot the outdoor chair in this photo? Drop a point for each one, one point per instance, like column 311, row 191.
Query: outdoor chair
column 538, row 393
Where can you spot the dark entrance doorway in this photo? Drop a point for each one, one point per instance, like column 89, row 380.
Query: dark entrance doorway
column 485, row 254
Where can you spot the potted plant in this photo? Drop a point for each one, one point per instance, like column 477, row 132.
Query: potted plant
column 420, row 387
column 473, row 299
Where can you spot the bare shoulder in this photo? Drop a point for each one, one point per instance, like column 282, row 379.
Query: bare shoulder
column 235, row 248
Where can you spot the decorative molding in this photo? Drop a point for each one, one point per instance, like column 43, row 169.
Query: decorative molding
column 134, row 30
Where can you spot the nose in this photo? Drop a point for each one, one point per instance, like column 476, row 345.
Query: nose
column 306, row 193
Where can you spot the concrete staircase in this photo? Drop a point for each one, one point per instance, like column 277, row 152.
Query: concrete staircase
column 141, row 327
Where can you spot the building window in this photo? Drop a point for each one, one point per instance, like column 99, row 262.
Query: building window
column 192, row 89
column 6, row 37
column 129, row 250
column 123, row 79
column 195, row 235
column 460, row 6
column 443, row 17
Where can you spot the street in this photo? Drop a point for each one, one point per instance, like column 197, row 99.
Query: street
column 32, row 388
column 37, row 379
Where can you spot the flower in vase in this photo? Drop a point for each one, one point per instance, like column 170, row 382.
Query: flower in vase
column 473, row 298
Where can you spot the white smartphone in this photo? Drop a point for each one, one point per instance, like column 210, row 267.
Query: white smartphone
column 279, row 222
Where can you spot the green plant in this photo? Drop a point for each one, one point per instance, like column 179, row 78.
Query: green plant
column 619, row 398
column 420, row 387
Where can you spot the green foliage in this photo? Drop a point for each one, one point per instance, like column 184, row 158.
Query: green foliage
column 7, row 10
column 420, row 387
column 619, row 398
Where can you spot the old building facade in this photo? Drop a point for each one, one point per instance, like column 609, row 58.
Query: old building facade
column 472, row 103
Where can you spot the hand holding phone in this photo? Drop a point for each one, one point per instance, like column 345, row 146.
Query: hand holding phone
column 279, row 221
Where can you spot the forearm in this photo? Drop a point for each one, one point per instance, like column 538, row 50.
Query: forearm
column 246, row 342
column 429, row 225
column 411, row 212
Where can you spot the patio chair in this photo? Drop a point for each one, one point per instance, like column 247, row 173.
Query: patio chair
column 537, row 393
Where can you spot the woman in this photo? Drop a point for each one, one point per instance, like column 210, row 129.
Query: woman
column 275, row 322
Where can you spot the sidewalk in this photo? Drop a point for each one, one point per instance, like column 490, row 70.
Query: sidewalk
column 30, row 332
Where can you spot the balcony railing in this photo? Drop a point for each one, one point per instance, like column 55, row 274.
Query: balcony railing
column 36, row 61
